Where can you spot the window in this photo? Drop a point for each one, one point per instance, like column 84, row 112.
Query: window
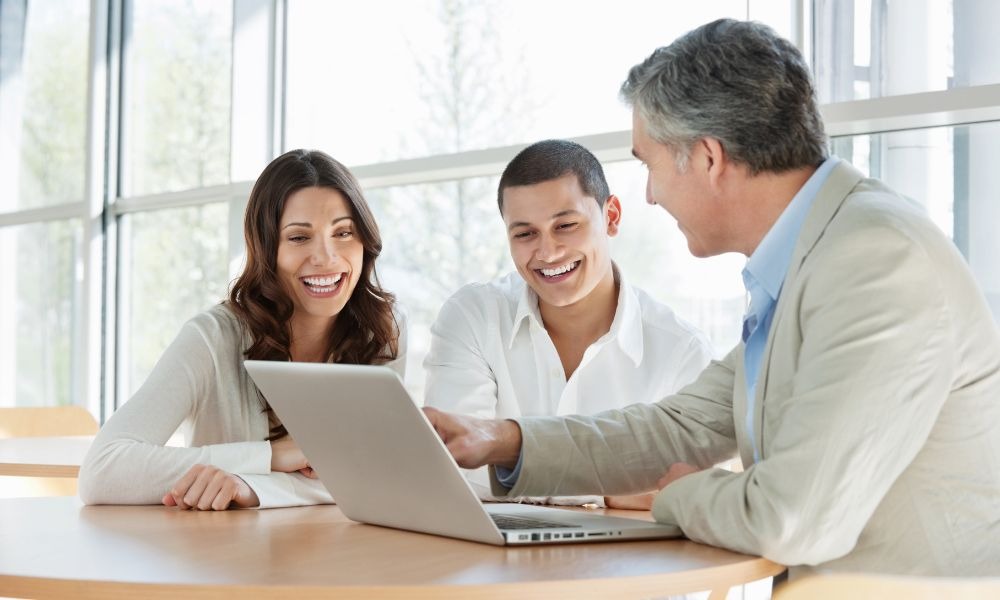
column 38, row 318
column 43, row 93
column 443, row 76
column 177, row 82
column 174, row 266
column 43, row 103
column 951, row 171
column 866, row 48
column 124, row 185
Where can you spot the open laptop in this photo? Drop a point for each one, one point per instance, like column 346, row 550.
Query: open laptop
column 384, row 464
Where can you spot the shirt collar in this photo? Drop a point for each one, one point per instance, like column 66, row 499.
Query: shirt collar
column 626, row 327
column 767, row 266
column 527, row 309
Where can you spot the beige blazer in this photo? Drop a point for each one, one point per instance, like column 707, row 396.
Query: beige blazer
column 877, row 412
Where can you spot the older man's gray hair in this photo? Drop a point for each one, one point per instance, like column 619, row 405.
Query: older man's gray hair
column 737, row 82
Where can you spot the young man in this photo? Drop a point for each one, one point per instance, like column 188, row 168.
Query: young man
column 565, row 334
column 864, row 399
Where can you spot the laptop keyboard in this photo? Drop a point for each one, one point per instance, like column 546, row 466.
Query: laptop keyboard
column 512, row 522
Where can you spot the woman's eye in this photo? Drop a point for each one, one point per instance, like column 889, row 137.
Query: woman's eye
column 297, row 238
column 346, row 233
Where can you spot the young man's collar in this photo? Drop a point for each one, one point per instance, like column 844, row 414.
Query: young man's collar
column 626, row 327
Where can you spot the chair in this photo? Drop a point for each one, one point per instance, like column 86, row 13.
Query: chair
column 879, row 587
column 46, row 421
column 42, row 422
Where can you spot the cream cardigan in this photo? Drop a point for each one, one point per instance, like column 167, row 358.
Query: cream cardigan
column 198, row 386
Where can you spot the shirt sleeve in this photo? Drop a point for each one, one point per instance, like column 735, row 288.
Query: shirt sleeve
column 128, row 462
column 276, row 490
column 458, row 377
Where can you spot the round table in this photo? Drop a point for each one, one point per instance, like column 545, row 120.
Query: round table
column 56, row 547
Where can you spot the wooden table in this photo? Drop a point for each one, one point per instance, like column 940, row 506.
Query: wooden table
column 43, row 456
column 56, row 547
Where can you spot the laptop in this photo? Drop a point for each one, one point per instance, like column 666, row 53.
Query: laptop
column 381, row 460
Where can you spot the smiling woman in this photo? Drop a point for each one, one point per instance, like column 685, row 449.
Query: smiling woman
column 309, row 293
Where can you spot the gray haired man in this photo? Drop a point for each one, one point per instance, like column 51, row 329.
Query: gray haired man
column 864, row 398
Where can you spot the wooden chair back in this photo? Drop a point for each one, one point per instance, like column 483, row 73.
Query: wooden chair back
column 46, row 421
column 43, row 422
column 879, row 587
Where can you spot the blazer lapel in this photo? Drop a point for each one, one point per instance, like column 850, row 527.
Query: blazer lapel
column 837, row 187
column 740, row 407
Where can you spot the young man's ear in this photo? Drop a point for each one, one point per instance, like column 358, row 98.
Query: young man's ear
column 613, row 214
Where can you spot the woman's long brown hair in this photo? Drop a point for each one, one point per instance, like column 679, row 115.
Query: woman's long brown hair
column 365, row 331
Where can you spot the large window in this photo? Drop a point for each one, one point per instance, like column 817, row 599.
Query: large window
column 131, row 130
column 173, row 267
column 43, row 93
column 876, row 48
column 38, row 301
column 43, row 102
column 176, row 90
column 450, row 75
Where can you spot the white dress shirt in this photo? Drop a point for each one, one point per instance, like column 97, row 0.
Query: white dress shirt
column 491, row 357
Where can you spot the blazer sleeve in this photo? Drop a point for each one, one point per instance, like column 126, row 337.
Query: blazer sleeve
column 872, row 373
column 625, row 451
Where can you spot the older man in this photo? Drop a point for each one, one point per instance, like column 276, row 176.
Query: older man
column 864, row 399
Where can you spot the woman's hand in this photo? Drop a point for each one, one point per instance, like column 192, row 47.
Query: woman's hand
column 205, row 487
column 287, row 458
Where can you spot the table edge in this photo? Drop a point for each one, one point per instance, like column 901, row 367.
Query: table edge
column 682, row 582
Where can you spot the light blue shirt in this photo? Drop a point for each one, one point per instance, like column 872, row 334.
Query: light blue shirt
column 763, row 277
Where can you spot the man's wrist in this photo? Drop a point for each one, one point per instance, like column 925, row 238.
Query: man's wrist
column 508, row 448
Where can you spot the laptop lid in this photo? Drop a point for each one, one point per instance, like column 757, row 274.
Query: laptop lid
column 372, row 447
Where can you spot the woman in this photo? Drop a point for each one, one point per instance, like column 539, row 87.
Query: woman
column 308, row 293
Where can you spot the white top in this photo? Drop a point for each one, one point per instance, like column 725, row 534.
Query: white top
column 200, row 386
column 491, row 357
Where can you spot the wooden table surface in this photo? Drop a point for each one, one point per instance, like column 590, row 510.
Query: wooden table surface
column 56, row 547
column 43, row 456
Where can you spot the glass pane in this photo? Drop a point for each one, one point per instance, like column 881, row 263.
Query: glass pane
column 174, row 265
column 177, row 84
column 952, row 172
column 38, row 307
column 652, row 253
column 436, row 237
column 43, row 102
column 874, row 48
column 405, row 79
